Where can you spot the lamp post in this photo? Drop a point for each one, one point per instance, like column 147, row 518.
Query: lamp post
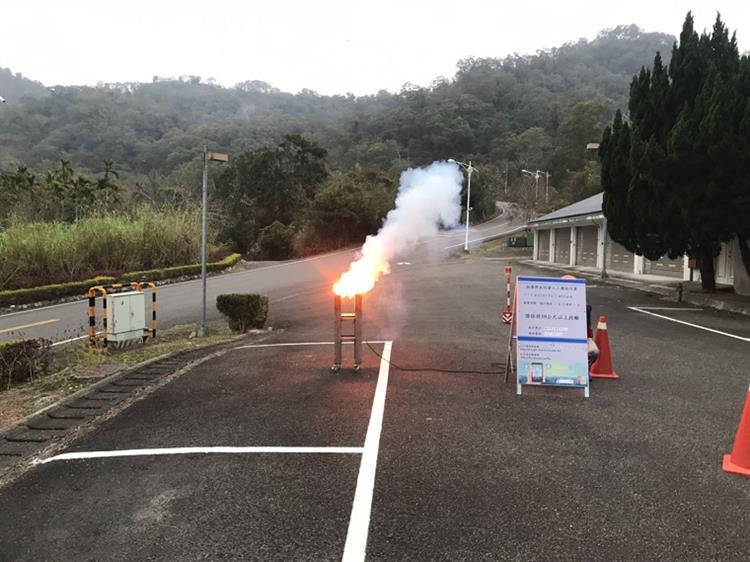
column 536, row 175
column 469, row 169
column 207, row 157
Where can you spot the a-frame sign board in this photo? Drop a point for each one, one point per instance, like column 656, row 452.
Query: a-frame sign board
column 547, row 341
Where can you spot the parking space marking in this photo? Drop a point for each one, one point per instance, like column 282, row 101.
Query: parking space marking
column 359, row 523
column 201, row 451
column 668, row 308
column 260, row 345
column 698, row 326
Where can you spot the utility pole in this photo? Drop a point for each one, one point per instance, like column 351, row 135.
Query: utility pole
column 535, row 175
column 507, row 168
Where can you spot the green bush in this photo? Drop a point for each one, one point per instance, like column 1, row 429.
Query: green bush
column 51, row 292
column 275, row 242
column 243, row 312
column 21, row 360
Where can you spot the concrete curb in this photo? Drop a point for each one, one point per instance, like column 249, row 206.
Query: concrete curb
column 664, row 291
column 17, row 463
column 113, row 377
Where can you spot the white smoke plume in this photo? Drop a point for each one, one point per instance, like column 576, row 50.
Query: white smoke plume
column 427, row 199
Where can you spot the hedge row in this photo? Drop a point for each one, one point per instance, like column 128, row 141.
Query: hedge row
column 62, row 290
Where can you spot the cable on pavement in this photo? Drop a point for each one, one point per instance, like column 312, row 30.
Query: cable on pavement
column 432, row 370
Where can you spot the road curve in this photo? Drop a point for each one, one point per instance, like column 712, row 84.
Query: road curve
column 179, row 303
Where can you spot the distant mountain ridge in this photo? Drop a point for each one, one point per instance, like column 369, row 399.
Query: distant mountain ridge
column 15, row 86
column 521, row 110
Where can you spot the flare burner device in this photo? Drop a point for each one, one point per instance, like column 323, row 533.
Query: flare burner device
column 355, row 319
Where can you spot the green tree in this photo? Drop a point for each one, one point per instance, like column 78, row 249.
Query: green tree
column 348, row 207
column 267, row 185
column 670, row 176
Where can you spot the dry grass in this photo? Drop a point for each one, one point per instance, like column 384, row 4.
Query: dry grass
column 34, row 254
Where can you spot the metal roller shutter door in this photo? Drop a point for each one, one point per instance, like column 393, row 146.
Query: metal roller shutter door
column 562, row 245
column 588, row 238
column 543, row 245
column 618, row 258
column 665, row 266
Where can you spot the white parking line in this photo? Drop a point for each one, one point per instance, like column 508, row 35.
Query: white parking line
column 259, row 345
column 201, row 451
column 698, row 326
column 359, row 523
column 668, row 308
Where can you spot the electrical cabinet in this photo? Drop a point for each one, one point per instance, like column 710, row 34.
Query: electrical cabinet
column 126, row 316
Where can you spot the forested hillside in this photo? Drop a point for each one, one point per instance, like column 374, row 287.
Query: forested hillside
column 523, row 111
column 15, row 86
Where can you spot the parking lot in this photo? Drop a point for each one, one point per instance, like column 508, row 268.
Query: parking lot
column 426, row 454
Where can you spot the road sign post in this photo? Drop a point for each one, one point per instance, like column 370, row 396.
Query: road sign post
column 508, row 312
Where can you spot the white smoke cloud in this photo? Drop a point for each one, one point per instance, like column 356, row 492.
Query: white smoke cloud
column 427, row 199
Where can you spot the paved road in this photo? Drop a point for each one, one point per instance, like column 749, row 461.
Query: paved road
column 457, row 468
column 179, row 303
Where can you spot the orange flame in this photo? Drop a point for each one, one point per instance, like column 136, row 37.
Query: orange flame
column 363, row 272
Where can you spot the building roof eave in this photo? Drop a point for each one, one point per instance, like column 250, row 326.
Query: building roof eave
column 572, row 221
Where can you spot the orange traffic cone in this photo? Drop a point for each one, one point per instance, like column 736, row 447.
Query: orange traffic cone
column 739, row 461
column 602, row 367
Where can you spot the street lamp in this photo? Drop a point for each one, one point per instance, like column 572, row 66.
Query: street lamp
column 536, row 175
column 207, row 157
column 469, row 169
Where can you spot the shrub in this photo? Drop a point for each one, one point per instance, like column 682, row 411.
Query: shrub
column 62, row 290
column 275, row 242
column 243, row 311
column 21, row 360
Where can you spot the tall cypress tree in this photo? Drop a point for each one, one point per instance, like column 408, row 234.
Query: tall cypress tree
column 688, row 140
column 740, row 187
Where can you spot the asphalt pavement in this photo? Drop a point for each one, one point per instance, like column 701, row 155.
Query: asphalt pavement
column 457, row 468
column 180, row 303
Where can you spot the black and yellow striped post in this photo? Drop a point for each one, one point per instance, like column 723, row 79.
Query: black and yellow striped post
column 138, row 286
column 93, row 335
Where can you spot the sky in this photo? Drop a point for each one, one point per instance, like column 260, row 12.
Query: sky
column 330, row 46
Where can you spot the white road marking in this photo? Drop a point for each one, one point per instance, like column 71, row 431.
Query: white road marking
column 201, row 450
column 68, row 341
column 256, row 345
column 668, row 308
column 359, row 523
column 698, row 326
column 511, row 231
column 32, row 325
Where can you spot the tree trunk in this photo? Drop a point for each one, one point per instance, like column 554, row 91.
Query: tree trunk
column 743, row 238
column 708, row 273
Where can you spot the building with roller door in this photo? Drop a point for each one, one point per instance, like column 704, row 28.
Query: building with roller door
column 575, row 236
